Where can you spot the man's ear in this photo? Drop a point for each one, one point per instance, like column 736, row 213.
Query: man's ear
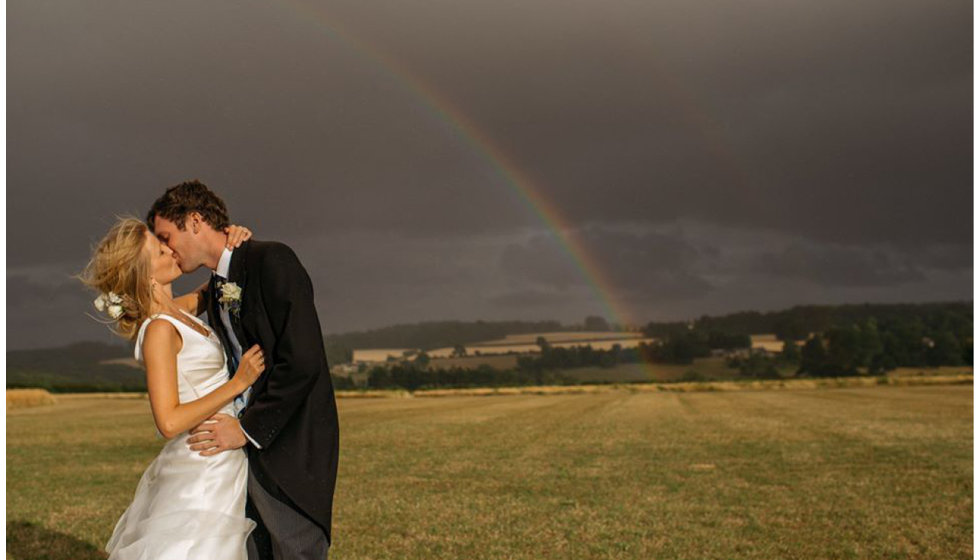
column 194, row 221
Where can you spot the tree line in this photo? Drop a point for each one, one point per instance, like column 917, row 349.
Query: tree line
column 412, row 376
column 678, row 347
column 854, row 341
column 873, row 347
column 797, row 323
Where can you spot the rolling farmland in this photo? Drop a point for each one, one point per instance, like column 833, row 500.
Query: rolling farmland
column 876, row 472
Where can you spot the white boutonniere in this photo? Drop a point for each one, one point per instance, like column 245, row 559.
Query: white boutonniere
column 110, row 303
column 231, row 297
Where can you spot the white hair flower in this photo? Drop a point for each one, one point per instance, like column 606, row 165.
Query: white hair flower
column 110, row 303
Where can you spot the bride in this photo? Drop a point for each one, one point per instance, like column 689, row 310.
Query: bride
column 186, row 505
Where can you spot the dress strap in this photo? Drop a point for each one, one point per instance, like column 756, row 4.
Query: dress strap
column 177, row 323
column 142, row 332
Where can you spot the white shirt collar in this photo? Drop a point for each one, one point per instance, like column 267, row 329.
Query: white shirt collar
column 224, row 262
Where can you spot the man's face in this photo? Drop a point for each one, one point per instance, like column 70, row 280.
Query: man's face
column 187, row 247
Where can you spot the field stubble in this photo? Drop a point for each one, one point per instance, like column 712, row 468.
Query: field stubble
column 877, row 472
column 27, row 398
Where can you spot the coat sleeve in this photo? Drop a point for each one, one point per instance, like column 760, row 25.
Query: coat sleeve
column 298, row 357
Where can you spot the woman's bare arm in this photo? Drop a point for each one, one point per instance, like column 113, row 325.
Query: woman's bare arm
column 160, row 346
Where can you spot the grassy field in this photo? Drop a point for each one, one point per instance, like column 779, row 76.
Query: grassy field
column 878, row 472
column 715, row 368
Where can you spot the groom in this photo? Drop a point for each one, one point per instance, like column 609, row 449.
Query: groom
column 261, row 294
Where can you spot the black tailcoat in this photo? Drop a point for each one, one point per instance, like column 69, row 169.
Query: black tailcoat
column 291, row 412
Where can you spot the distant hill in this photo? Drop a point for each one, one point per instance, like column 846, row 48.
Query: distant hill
column 76, row 367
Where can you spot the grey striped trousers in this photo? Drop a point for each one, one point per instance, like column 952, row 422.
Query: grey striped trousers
column 293, row 536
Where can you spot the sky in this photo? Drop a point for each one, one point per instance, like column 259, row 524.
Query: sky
column 445, row 160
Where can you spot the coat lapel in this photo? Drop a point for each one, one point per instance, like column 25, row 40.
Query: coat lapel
column 236, row 274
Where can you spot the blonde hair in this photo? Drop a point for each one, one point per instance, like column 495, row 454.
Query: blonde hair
column 120, row 265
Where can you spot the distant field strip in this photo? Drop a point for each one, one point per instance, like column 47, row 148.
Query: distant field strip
column 700, row 386
column 867, row 472
column 519, row 343
column 905, row 379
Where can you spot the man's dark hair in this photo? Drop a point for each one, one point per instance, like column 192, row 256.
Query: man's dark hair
column 187, row 197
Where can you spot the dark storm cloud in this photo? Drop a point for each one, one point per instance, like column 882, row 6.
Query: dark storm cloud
column 840, row 266
column 641, row 266
column 533, row 298
column 31, row 291
column 541, row 261
column 769, row 114
column 47, row 307
column 689, row 260
column 710, row 156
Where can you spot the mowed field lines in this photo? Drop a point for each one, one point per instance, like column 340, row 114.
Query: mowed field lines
column 879, row 472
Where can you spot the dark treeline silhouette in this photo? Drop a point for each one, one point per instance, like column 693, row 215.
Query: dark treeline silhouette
column 676, row 347
column 758, row 365
column 412, row 376
column 942, row 337
column 798, row 322
column 558, row 358
column 877, row 346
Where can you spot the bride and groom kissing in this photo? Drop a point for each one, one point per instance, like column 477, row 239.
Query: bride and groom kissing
column 245, row 400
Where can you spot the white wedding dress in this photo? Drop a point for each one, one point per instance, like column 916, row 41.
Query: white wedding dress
column 186, row 506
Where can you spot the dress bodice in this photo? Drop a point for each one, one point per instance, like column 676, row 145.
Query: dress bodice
column 201, row 366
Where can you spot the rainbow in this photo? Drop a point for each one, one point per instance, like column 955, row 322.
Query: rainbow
column 518, row 181
column 532, row 196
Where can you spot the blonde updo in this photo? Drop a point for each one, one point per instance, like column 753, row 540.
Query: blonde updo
column 120, row 265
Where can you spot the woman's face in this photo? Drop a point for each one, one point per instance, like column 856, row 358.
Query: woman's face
column 163, row 265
